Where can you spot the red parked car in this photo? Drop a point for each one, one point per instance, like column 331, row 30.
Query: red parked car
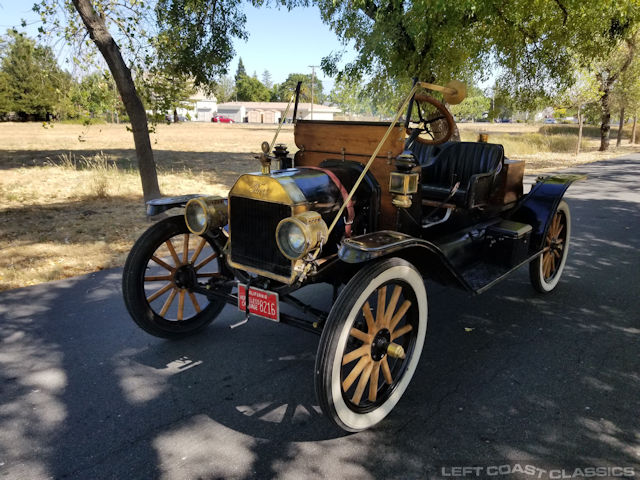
column 221, row 119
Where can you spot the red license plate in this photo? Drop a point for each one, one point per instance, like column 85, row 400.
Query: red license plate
column 261, row 302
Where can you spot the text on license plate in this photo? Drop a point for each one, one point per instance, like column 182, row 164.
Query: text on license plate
column 261, row 302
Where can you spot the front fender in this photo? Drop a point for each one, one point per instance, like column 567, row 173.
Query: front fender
column 426, row 256
column 538, row 206
column 159, row 205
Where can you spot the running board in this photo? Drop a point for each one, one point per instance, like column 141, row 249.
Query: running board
column 481, row 276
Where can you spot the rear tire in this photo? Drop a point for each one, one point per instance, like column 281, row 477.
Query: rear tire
column 545, row 271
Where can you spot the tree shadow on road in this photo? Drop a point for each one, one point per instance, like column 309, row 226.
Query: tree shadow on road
column 506, row 377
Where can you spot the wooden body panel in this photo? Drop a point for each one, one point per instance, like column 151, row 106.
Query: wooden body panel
column 319, row 141
column 348, row 138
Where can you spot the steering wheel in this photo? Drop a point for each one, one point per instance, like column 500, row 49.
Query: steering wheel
column 434, row 123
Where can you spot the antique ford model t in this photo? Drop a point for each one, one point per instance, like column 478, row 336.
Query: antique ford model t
column 370, row 208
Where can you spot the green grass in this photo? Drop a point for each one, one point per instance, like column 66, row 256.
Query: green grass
column 591, row 131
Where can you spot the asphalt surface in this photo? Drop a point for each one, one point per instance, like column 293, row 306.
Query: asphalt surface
column 509, row 380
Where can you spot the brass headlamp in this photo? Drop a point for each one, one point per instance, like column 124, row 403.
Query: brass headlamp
column 205, row 213
column 298, row 235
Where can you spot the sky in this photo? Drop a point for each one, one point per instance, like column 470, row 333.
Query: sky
column 280, row 41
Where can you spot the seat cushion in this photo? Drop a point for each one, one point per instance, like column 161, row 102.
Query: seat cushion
column 440, row 194
column 459, row 161
column 444, row 165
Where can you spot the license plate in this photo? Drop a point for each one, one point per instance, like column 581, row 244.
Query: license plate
column 262, row 303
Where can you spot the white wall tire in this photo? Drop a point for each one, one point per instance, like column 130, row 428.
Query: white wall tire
column 358, row 397
column 546, row 269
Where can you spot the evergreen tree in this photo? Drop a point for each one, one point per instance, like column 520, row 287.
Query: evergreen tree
column 240, row 71
column 31, row 84
column 266, row 79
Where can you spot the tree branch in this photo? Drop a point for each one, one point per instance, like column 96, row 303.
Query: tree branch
column 564, row 12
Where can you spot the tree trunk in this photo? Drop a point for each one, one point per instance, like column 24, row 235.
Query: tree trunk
column 633, row 130
column 605, row 125
column 619, row 139
column 455, row 136
column 175, row 115
column 579, row 131
column 122, row 76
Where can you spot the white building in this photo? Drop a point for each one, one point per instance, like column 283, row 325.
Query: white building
column 202, row 108
column 271, row 112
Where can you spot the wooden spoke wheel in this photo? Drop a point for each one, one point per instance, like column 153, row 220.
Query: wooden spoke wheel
column 371, row 344
column 545, row 271
column 163, row 266
column 430, row 120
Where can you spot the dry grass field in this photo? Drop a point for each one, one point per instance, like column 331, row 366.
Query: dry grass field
column 70, row 197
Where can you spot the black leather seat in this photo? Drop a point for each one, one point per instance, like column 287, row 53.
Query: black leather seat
column 475, row 165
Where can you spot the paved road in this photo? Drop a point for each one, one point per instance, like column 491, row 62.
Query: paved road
column 547, row 381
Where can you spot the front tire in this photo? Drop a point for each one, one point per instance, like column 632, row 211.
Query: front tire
column 545, row 271
column 163, row 265
column 358, row 395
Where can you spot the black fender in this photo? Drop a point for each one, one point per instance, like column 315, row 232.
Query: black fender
column 538, row 206
column 430, row 260
column 159, row 205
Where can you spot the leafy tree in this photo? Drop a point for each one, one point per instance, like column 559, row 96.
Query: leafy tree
column 164, row 92
column 251, row 89
column 93, row 95
column 350, row 97
column 225, row 89
column 533, row 42
column 190, row 37
column 31, row 83
column 625, row 95
column 474, row 106
column 583, row 92
column 502, row 104
column 608, row 72
column 284, row 90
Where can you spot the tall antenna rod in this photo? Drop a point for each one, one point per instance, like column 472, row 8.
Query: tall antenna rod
column 313, row 81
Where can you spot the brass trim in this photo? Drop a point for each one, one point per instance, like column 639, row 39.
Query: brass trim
column 313, row 228
column 282, row 190
column 263, row 273
column 271, row 189
column 216, row 214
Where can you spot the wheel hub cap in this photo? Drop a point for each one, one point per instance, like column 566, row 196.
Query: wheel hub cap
column 379, row 344
column 185, row 276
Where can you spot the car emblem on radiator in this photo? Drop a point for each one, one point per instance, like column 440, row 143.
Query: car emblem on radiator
column 259, row 190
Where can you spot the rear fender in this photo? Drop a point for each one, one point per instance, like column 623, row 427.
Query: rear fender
column 159, row 205
column 538, row 206
column 426, row 256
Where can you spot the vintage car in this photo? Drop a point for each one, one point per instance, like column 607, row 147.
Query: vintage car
column 372, row 209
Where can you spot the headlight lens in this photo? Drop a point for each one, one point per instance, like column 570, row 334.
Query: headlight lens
column 296, row 236
column 291, row 240
column 204, row 213
column 196, row 217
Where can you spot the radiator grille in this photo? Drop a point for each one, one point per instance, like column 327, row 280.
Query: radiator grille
column 253, row 235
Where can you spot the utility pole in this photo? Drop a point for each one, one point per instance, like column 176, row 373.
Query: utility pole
column 313, row 81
